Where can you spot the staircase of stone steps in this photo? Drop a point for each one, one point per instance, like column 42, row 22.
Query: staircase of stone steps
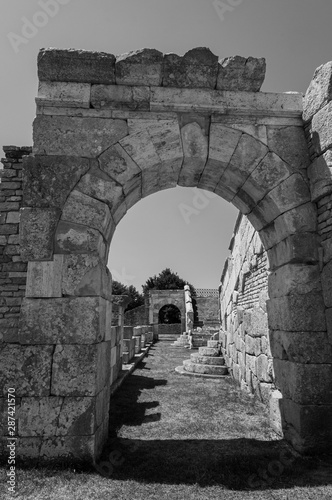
column 167, row 336
column 208, row 362
column 200, row 339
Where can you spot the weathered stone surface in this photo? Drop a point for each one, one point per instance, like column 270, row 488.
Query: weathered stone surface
column 319, row 92
column 140, row 67
column 48, row 180
column 75, row 95
column 88, row 211
column 304, row 383
column 241, row 74
column 291, row 145
column 69, row 65
column 253, row 345
column 294, row 278
column 198, row 68
column 69, row 320
column 255, row 322
column 75, row 238
column 290, row 193
column 207, row 360
column 74, row 136
column 301, row 347
column 307, row 427
column 85, row 275
column 248, row 155
column 320, row 175
column 218, row 101
column 26, row 368
column 275, row 411
column 327, row 284
column 263, row 367
column 222, row 143
column 195, row 150
column 208, row 351
column 98, row 185
column 301, row 248
column 321, row 129
column 120, row 97
column 205, row 369
column 57, row 416
column 37, row 228
column 117, row 163
column 301, row 219
column 297, row 313
column 266, row 176
column 80, row 370
column 44, row 278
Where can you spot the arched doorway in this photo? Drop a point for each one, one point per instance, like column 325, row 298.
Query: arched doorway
column 94, row 165
column 169, row 314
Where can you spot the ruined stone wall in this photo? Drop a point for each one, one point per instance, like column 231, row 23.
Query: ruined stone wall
column 243, row 310
column 13, row 270
column 207, row 303
column 137, row 316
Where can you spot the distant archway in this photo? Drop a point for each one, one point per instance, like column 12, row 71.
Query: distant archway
column 169, row 314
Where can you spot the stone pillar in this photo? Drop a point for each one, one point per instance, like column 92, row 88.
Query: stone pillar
column 188, row 308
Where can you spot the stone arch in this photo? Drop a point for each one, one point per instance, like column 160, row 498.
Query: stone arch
column 90, row 166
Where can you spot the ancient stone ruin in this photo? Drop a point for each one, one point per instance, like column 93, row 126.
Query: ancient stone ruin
column 110, row 131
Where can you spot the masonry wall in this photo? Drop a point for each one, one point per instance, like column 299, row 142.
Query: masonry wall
column 13, row 271
column 243, row 298
column 137, row 316
column 207, row 303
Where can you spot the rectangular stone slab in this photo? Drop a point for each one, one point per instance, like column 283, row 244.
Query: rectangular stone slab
column 64, row 94
column 68, row 320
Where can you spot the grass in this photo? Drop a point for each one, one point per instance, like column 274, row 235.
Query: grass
column 184, row 437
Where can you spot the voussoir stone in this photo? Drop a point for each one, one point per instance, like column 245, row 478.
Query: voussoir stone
column 48, row 180
column 241, row 74
column 140, row 67
column 197, row 68
column 319, row 92
column 69, row 65
column 37, row 228
column 320, row 175
column 76, row 238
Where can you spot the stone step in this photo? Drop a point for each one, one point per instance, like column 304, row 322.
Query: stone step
column 213, row 343
column 206, row 369
column 207, row 360
column 209, row 351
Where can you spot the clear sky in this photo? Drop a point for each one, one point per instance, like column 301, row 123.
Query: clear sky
column 293, row 35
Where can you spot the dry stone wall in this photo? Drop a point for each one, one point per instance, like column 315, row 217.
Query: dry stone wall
column 243, row 296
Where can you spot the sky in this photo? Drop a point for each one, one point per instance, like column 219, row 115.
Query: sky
column 183, row 228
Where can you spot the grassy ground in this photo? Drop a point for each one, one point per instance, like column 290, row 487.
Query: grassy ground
column 178, row 437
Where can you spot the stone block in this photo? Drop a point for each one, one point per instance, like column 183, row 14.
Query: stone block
column 263, row 368
column 69, row 320
column 44, row 278
column 120, row 97
column 37, row 228
column 83, row 209
column 320, row 175
column 75, row 136
column 255, row 323
column 127, row 332
column 253, row 345
column 301, row 219
column 13, row 218
column 297, row 313
column 250, row 364
column 304, row 383
column 294, row 278
column 26, row 368
column 73, row 238
column 57, row 416
column 301, row 347
column 64, row 94
column 319, row 92
column 117, row 164
column 275, row 408
column 241, row 74
column 198, row 68
column 290, row 144
column 195, row 150
column 301, row 248
column 140, row 67
column 48, row 180
column 69, row 65
column 80, row 370
column 321, row 129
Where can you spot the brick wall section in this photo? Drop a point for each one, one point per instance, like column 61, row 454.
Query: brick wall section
column 12, row 270
column 243, row 295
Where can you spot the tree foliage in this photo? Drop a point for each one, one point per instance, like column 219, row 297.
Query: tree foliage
column 137, row 299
